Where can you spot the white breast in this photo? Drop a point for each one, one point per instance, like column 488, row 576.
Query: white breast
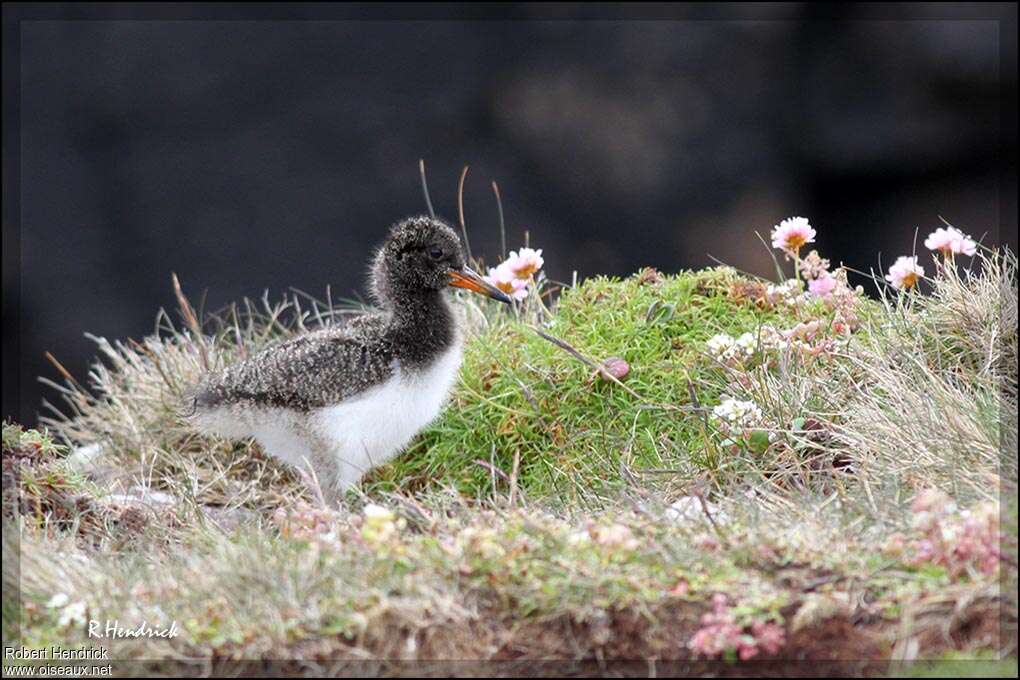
column 371, row 428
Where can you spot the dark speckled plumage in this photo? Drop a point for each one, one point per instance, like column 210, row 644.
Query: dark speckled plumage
column 412, row 326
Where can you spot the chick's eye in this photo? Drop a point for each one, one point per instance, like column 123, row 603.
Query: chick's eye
column 435, row 252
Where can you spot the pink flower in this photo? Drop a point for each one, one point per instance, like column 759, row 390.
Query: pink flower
column 792, row 234
column 814, row 265
column 513, row 274
column 720, row 633
column 524, row 263
column 961, row 541
column 501, row 277
column 823, row 285
column 950, row 241
column 932, row 499
column 905, row 273
column 769, row 637
column 746, row 651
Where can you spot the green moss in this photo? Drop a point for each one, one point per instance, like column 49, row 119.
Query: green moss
column 520, row 395
column 19, row 440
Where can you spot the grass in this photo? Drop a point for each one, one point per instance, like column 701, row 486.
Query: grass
column 942, row 393
column 574, row 436
column 858, row 515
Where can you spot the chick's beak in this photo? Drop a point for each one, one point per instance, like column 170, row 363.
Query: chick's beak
column 465, row 278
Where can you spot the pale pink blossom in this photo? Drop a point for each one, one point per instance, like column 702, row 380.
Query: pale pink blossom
column 524, row 263
column 950, row 241
column 503, row 278
column 720, row 633
column 961, row 541
column 769, row 637
column 932, row 499
column 814, row 265
column 905, row 273
column 823, row 285
column 792, row 234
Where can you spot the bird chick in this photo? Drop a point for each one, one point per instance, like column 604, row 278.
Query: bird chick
column 344, row 399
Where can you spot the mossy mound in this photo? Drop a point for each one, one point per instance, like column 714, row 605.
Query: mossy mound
column 573, row 433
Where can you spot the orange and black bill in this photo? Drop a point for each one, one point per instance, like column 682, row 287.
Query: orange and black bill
column 465, row 278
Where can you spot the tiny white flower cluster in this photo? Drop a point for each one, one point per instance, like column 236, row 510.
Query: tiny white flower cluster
column 739, row 414
column 579, row 537
column 800, row 339
column 70, row 612
column 692, row 509
column 727, row 348
column 380, row 524
column 788, row 292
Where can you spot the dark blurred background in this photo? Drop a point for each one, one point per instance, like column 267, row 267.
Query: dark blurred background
column 253, row 155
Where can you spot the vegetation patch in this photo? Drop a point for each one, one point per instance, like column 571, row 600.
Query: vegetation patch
column 527, row 404
column 703, row 469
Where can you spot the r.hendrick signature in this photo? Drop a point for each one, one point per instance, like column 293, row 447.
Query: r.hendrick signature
column 114, row 630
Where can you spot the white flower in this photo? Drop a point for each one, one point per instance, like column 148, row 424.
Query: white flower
column 747, row 343
column 950, row 241
column 73, row 613
column 380, row 525
column 58, row 601
column 70, row 612
column 737, row 413
column 792, row 234
column 788, row 291
column 721, row 345
column 579, row 537
column 377, row 513
column 690, row 509
column 905, row 273
column 725, row 348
